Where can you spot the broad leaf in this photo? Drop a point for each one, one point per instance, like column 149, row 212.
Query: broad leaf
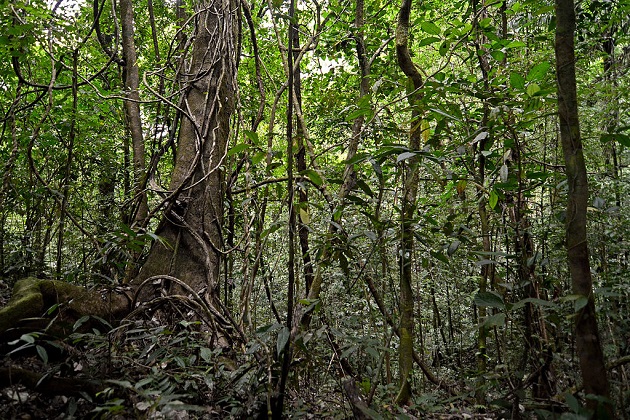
column 440, row 256
column 534, row 301
column 430, row 28
column 482, row 135
column 404, row 156
column 533, row 89
column 428, row 41
column 237, row 149
column 517, row 81
column 493, row 199
column 453, row 247
column 538, row 72
column 495, row 320
column 206, row 354
column 304, row 217
column 43, row 354
column 490, row 300
column 313, row 176
column 283, row 339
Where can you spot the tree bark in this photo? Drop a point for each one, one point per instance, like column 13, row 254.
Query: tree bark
column 131, row 81
column 586, row 332
column 410, row 191
column 191, row 227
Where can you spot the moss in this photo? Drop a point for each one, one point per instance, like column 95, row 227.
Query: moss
column 26, row 302
column 32, row 297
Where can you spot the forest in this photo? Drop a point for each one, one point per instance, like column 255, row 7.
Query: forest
column 408, row 209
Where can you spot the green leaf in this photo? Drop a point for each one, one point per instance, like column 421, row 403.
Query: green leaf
column 80, row 322
column 313, row 176
column 504, row 173
column 517, row 81
column 347, row 352
column 365, row 187
column 122, row 384
column 372, row 352
column 304, row 217
column 404, row 156
column 252, row 135
column 515, row 44
column 481, row 136
column 269, row 328
column 430, row 28
column 428, row 41
column 440, row 256
column 621, row 138
column 485, row 22
column 361, row 112
column 358, row 158
column 258, row 157
column 485, row 261
column 493, row 199
column 540, row 302
column 283, row 339
column 370, row 235
column 28, row 338
column 453, row 247
column 444, row 48
column 498, row 55
column 274, row 227
column 206, row 354
column 490, row 300
column 495, row 320
column 599, row 203
column 538, row 71
column 443, row 113
column 580, row 303
column 143, row 382
column 572, row 402
column 52, row 309
column 237, row 149
column 533, row 89
column 370, row 413
column 43, row 354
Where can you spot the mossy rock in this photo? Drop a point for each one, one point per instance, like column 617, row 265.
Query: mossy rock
column 32, row 297
column 26, row 302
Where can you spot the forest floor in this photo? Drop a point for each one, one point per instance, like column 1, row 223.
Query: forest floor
column 116, row 400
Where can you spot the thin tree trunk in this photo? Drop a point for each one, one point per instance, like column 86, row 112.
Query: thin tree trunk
column 278, row 406
column 8, row 169
column 410, row 191
column 300, row 161
column 482, row 337
column 66, row 178
column 349, row 176
column 132, row 112
column 588, row 343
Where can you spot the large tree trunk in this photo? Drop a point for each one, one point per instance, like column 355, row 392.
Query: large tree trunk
column 586, row 333
column 191, row 245
column 192, row 222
